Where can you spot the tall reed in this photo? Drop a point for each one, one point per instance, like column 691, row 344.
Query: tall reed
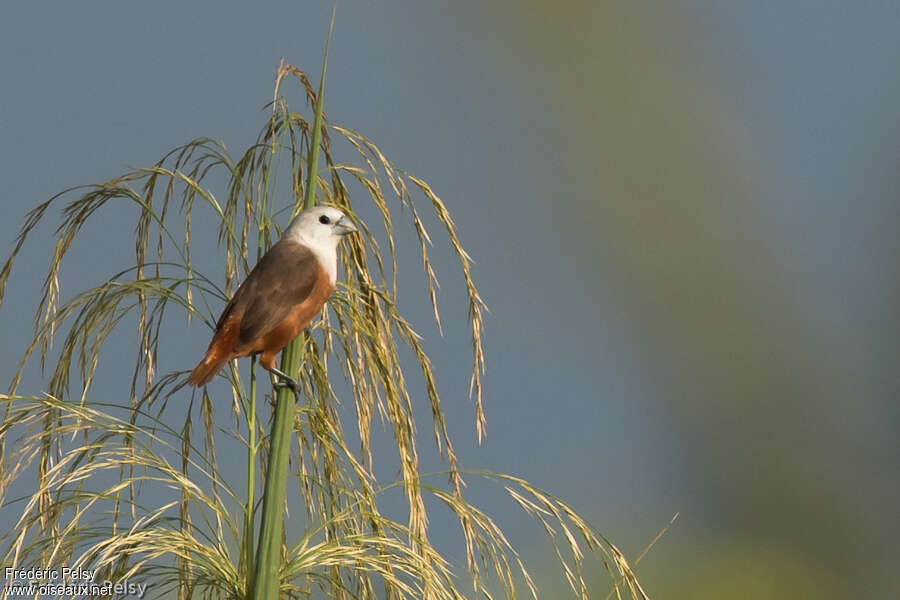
column 88, row 474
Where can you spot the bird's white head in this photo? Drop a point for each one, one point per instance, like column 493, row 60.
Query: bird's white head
column 320, row 227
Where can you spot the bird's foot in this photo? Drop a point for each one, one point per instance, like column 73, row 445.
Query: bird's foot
column 283, row 380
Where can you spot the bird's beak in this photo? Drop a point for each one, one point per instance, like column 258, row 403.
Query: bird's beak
column 343, row 227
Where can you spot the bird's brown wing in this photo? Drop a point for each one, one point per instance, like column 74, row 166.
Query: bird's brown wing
column 282, row 278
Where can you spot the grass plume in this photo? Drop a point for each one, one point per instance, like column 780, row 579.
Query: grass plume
column 96, row 466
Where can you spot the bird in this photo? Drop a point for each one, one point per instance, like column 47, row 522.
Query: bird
column 282, row 294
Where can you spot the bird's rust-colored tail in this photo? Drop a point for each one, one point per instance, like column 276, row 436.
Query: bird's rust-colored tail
column 220, row 351
column 207, row 369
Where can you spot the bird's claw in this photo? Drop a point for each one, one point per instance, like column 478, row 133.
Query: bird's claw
column 290, row 384
column 283, row 380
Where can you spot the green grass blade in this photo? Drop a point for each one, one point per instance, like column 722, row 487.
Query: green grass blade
column 268, row 558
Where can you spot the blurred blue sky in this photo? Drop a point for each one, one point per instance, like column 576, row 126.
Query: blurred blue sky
column 684, row 221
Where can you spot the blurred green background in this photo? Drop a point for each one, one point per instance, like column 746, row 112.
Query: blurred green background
column 685, row 221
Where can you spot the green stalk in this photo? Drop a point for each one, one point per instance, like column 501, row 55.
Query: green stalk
column 268, row 553
column 247, row 551
column 248, row 558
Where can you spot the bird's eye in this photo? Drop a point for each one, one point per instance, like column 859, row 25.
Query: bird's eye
column 324, row 220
